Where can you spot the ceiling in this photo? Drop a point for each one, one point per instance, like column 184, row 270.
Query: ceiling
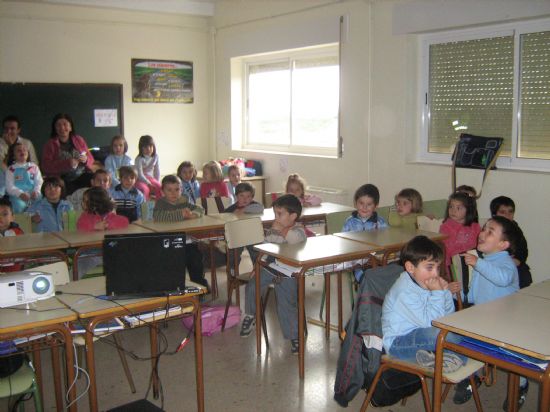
column 194, row 7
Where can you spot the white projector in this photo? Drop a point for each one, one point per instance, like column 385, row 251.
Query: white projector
column 19, row 288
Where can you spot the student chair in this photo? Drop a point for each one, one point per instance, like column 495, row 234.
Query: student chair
column 215, row 205
column 238, row 234
column 22, row 382
column 24, row 221
column 427, row 224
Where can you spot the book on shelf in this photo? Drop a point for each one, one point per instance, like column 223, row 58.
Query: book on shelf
column 103, row 327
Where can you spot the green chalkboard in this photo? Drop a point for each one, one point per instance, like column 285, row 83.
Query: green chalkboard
column 35, row 104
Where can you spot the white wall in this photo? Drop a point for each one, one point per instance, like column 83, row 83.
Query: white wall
column 50, row 43
column 379, row 116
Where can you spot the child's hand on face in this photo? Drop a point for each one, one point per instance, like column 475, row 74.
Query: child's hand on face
column 277, row 226
column 36, row 218
column 470, row 259
column 443, row 283
column 433, row 284
column 454, row 287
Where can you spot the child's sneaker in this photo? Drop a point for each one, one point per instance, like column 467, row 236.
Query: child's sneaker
column 463, row 390
column 451, row 362
column 248, row 324
column 294, row 346
column 522, row 395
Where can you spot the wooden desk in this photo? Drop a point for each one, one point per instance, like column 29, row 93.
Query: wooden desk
column 202, row 224
column 311, row 213
column 517, row 322
column 388, row 238
column 32, row 245
column 541, row 290
column 315, row 251
column 46, row 316
column 80, row 239
column 75, row 296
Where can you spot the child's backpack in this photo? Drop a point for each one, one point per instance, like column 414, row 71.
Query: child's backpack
column 393, row 386
column 212, row 318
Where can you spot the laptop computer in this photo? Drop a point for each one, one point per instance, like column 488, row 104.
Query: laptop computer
column 144, row 264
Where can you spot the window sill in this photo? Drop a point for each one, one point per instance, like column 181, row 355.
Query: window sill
column 506, row 168
column 285, row 153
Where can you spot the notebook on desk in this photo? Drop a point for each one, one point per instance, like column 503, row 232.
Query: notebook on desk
column 144, row 265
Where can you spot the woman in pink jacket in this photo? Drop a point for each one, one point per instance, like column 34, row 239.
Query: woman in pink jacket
column 66, row 154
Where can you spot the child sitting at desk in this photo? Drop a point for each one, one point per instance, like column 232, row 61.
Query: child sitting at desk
column 190, row 186
column 505, row 207
column 127, row 197
column 47, row 213
column 99, row 212
column 408, row 206
column 8, row 227
column 296, row 185
column 100, row 178
column 175, row 207
column 366, row 200
column 245, row 203
column 233, row 179
column 416, row 298
column 493, row 276
column 287, row 210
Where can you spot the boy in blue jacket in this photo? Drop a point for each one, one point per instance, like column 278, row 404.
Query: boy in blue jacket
column 417, row 297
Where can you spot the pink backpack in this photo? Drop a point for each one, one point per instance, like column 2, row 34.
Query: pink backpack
column 212, row 318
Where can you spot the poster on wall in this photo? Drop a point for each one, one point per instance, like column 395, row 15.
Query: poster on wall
column 162, row 81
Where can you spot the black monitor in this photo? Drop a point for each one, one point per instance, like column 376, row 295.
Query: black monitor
column 145, row 264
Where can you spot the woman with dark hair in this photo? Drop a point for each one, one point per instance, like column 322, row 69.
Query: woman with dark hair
column 66, row 154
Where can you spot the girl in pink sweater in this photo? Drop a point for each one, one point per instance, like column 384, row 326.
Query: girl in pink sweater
column 99, row 212
column 460, row 225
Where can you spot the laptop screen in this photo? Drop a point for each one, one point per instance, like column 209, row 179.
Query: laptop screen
column 145, row 264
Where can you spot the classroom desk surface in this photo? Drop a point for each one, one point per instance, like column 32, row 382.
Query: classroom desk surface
column 43, row 317
column 201, row 224
column 541, row 289
column 516, row 322
column 315, row 251
column 80, row 296
column 80, row 239
column 32, row 242
column 390, row 237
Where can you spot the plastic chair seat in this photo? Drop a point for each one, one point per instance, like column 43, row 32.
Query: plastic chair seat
column 17, row 383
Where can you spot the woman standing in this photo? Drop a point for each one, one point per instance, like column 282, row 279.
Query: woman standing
column 66, row 154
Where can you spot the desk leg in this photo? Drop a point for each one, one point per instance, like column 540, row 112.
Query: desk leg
column 213, row 278
column 340, row 315
column 90, row 364
column 544, row 401
column 438, row 370
column 70, row 370
column 198, row 356
column 153, row 337
column 513, row 388
column 37, row 363
column 257, row 267
column 327, row 305
column 301, row 323
column 57, row 378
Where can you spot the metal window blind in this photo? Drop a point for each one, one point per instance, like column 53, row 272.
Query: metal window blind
column 534, row 139
column 470, row 90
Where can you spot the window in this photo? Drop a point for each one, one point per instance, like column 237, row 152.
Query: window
column 287, row 101
column 489, row 83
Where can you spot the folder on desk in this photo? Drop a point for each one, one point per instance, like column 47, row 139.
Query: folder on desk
column 503, row 353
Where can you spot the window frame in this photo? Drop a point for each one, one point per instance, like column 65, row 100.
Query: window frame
column 239, row 100
column 514, row 29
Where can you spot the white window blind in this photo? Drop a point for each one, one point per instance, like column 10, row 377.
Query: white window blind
column 470, row 91
column 534, row 141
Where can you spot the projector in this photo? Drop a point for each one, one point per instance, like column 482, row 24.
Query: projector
column 19, row 288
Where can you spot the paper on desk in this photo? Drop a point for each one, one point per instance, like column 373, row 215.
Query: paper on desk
column 284, row 269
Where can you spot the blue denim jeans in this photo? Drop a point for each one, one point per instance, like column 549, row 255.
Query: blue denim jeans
column 405, row 347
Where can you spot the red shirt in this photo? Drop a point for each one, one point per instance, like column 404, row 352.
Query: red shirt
column 87, row 221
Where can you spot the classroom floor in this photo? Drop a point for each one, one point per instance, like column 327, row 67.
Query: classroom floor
column 236, row 379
